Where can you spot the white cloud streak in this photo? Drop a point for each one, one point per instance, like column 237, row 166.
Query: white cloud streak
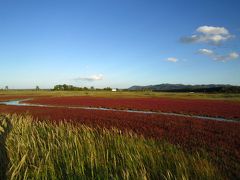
column 90, row 78
column 208, row 34
column 206, row 52
column 172, row 59
column 215, row 56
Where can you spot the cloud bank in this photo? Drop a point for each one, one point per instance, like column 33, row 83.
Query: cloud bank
column 208, row 34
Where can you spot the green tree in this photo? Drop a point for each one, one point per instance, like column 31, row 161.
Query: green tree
column 85, row 88
column 107, row 89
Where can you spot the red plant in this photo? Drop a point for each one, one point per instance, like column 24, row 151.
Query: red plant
column 215, row 108
column 8, row 98
column 220, row 139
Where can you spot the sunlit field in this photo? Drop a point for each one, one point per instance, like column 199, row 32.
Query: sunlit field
column 34, row 150
column 119, row 90
column 60, row 140
column 122, row 94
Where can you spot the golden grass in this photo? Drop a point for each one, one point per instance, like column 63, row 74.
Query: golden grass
column 43, row 150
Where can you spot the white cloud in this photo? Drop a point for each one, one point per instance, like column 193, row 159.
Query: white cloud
column 215, row 56
column 212, row 30
column 209, row 34
column 206, row 52
column 233, row 55
column 172, row 59
column 91, row 78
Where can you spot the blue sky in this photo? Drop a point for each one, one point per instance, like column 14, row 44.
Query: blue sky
column 118, row 43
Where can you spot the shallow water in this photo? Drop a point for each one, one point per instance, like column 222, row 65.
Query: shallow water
column 21, row 103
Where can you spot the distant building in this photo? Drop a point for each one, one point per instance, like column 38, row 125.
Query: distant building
column 114, row 90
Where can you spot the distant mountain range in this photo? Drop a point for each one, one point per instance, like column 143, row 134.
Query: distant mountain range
column 188, row 88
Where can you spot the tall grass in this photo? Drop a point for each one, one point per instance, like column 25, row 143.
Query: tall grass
column 44, row 150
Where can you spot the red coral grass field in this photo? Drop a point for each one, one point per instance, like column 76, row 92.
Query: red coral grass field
column 220, row 139
column 8, row 98
column 215, row 108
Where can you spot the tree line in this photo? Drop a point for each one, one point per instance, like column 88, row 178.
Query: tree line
column 66, row 87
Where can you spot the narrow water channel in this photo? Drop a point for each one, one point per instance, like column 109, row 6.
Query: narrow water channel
column 22, row 103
